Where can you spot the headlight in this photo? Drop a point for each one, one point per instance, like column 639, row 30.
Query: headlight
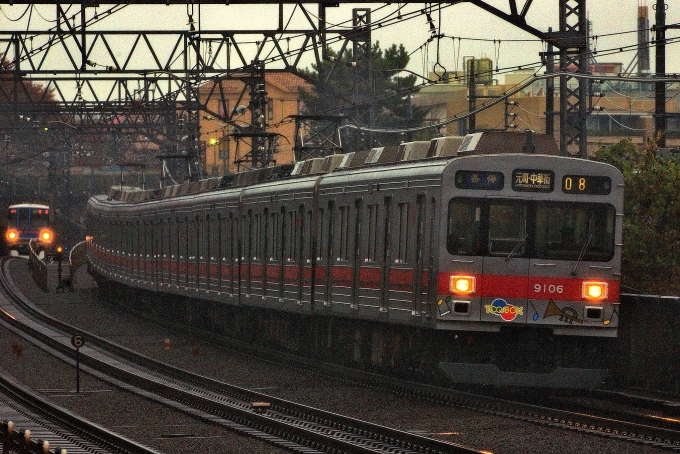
column 12, row 235
column 595, row 290
column 462, row 285
column 46, row 236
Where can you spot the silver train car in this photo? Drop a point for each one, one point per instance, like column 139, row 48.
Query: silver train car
column 26, row 222
column 506, row 255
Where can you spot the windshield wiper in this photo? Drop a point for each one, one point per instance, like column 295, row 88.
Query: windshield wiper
column 580, row 256
column 519, row 243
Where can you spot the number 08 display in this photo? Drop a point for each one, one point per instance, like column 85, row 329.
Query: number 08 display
column 586, row 184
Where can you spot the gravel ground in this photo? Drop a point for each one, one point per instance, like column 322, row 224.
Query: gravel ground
column 170, row 431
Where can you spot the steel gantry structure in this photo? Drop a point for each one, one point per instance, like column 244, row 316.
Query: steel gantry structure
column 125, row 83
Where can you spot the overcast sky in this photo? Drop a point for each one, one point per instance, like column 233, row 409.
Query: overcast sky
column 467, row 30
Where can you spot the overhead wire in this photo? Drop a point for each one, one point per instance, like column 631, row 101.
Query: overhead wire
column 21, row 16
column 498, row 70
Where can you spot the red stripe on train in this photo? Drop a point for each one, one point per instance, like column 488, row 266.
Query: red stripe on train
column 530, row 287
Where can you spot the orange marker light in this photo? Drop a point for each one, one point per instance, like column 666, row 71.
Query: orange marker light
column 464, row 285
column 12, row 235
column 595, row 290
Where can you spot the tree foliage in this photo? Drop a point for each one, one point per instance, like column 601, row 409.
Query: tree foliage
column 651, row 223
column 334, row 94
column 16, row 88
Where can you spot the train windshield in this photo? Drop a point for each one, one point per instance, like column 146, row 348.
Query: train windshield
column 544, row 230
column 28, row 217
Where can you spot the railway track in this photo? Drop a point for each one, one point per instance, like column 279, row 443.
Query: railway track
column 603, row 417
column 293, row 426
column 29, row 417
column 647, row 431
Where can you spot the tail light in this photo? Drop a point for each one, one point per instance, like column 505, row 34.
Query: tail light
column 12, row 235
column 462, row 285
column 46, row 236
column 594, row 290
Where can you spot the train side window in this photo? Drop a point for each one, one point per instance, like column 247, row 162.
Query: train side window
column 232, row 240
column 215, row 232
column 172, row 246
column 343, row 251
column 165, row 238
column 321, row 244
column 148, row 238
column 184, row 240
column 192, row 233
column 257, row 236
column 282, row 236
column 331, row 229
column 402, row 233
column 464, row 228
column 275, row 245
column 202, row 236
column 135, row 247
column 307, row 253
column 246, row 235
column 265, row 235
column 292, row 243
column 507, row 229
column 372, row 234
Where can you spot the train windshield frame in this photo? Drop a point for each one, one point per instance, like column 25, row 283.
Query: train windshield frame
column 531, row 229
column 28, row 217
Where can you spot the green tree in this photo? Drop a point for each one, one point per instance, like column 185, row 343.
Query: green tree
column 651, row 223
column 334, row 91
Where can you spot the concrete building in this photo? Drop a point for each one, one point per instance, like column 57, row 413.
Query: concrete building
column 620, row 109
column 283, row 100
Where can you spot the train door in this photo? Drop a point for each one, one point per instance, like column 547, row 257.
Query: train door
column 256, row 277
column 419, row 271
column 356, row 260
column 400, row 274
column 319, row 263
column 193, row 232
column 326, row 264
column 204, row 252
column 505, row 266
column 156, row 248
column 247, row 253
column 233, row 254
column 265, row 251
column 307, row 256
column 165, row 250
column 138, row 249
column 370, row 259
column 273, row 251
column 283, row 244
column 386, row 255
column 213, row 252
column 219, row 251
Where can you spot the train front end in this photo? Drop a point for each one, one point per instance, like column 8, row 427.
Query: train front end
column 530, row 256
column 26, row 222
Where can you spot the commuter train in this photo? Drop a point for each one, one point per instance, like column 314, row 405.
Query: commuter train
column 26, row 222
column 499, row 258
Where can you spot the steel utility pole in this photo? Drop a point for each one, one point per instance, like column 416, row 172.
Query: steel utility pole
column 660, row 87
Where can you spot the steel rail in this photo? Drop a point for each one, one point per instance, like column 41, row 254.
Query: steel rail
column 306, row 426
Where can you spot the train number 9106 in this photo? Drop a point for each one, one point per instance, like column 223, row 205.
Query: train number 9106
column 548, row 288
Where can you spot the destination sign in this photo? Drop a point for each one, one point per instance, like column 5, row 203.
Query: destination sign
column 479, row 179
column 533, row 180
